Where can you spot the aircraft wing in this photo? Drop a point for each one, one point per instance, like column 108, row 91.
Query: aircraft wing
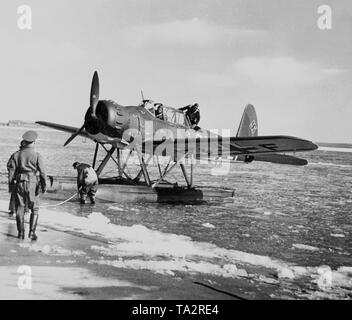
column 62, row 127
column 260, row 147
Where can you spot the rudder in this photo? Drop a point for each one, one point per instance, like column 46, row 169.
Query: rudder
column 249, row 124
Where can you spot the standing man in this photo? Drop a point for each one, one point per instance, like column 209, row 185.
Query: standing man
column 26, row 178
column 87, row 182
column 12, row 186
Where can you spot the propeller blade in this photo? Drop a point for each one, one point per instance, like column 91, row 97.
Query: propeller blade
column 94, row 92
column 74, row 135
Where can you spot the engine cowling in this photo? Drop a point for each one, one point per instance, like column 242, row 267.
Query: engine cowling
column 109, row 119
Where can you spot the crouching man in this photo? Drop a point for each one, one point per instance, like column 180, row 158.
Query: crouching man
column 87, row 182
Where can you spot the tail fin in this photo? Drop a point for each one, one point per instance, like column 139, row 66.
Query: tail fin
column 249, row 128
column 249, row 123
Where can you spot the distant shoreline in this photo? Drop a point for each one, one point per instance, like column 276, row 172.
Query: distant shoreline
column 24, row 126
column 334, row 145
column 20, row 124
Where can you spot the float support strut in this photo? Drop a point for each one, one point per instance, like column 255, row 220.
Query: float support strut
column 141, row 171
column 143, row 166
column 118, row 157
column 166, row 172
column 188, row 180
column 105, row 160
column 95, row 154
column 191, row 177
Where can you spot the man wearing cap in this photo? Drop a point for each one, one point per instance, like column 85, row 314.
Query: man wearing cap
column 193, row 114
column 87, row 182
column 12, row 186
column 159, row 112
column 26, row 177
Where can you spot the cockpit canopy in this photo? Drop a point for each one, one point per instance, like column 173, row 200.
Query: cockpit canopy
column 167, row 113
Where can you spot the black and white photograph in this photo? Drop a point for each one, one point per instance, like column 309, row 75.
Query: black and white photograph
column 174, row 150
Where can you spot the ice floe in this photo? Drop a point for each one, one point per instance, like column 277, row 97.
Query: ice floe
column 304, row 247
column 337, row 235
column 52, row 250
column 208, row 225
column 169, row 267
column 115, row 208
column 285, row 273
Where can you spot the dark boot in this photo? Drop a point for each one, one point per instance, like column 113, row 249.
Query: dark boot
column 83, row 197
column 18, row 223
column 20, row 226
column 33, row 220
column 91, row 193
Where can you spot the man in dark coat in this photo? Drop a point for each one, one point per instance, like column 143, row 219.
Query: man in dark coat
column 26, row 178
column 159, row 112
column 193, row 114
column 12, row 187
column 87, row 182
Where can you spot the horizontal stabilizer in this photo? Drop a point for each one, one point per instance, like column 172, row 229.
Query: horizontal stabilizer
column 277, row 158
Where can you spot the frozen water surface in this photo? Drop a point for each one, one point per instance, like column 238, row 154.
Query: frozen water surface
column 294, row 220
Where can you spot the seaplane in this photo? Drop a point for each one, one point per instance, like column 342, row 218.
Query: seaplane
column 141, row 131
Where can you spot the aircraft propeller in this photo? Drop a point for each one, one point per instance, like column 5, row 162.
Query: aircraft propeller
column 94, row 99
column 94, row 93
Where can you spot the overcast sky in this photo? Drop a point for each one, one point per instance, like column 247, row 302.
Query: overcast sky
column 222, row 54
